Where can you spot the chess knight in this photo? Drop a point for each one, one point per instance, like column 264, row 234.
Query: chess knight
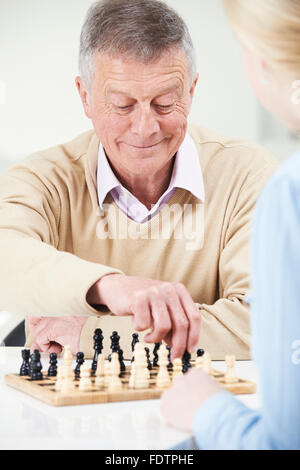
column 142, row 223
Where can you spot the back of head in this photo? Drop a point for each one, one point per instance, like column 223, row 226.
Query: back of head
column 269, row 28
column 138, row 29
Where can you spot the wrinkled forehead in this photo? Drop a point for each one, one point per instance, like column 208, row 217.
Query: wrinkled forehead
column 168, row 70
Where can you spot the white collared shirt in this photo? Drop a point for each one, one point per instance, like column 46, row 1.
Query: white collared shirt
column 187, row 174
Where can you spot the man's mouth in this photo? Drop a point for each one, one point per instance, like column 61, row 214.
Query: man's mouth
column 143, row 147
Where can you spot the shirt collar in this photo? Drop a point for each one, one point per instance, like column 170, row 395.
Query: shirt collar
column 187, row 173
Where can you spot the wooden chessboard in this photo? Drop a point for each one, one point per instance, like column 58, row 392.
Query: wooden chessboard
column 44, row 390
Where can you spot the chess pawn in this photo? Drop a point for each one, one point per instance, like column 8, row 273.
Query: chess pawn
column 115, row 384
column 199, row 362
column 25, row 370
column 67, row 381
column 99, row 381
column 142, row 373
column 207, row 367
column 36, row 366
column 163, row 378
column 85, row 382
column 52, row 371
column 132, row 375
column 60, row 377
column 230, row 375
column 107, row 373
column 67, row 385
column 177, row 368
column 135, row 339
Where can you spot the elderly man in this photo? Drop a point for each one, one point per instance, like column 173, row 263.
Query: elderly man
column 138, row 224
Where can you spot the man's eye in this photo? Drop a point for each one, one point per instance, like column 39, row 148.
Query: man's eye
column 124, row 107
column 164, row 107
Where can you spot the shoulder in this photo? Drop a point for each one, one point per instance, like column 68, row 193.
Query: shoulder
column 282, row 192
column 55, row 161
column 235, row 156
column 288, row 172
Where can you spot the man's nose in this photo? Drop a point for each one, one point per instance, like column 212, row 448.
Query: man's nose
column 145, row 122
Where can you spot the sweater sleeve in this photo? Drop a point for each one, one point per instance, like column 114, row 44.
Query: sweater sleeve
column 37, row 278
column 228, row 317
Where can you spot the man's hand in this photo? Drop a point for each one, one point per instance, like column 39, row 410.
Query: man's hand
column 165, row 307
column 51, row 334
column 180, row 403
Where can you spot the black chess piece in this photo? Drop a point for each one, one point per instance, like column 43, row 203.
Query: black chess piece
column 79, row 362
column 25, row 367
column 115, row 342
column 52, row 371
column 98, row 346
column 200, row 352
column 121, row 360
column 170, row 365
column 186, row 364
column 149, row 366
column 36, row 366
column 135, row 339
column 155, row 355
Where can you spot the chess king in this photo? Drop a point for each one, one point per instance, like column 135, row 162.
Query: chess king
column 142, row 223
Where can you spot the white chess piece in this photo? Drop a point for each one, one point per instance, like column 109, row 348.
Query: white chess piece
column 132, row 375
column 141, row 371
column 230, row 375
column 177, row 368
column 67, row 384
column 207, row 367
column 59, row 377
column 107, row 373
column 199, row 362
column 163, row 379
column 99, row 380
column 85, row 382
column 114, row 384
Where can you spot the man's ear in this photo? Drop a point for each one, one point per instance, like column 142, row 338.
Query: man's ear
column 194, row 84
column 192, row 90
column 84, row 95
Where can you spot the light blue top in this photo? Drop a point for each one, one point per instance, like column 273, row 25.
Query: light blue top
column 223, row 422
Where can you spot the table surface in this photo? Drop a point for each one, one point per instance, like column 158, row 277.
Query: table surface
column 27, row 423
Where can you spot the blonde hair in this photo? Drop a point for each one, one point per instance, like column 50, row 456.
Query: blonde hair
column 269, row 28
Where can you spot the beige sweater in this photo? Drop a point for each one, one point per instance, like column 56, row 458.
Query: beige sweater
column 53, row 245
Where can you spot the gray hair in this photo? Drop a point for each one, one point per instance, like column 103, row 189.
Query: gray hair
column 139, row 29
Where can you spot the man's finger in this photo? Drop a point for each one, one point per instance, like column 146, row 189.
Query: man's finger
column 180, row 325
column 193, row 315
column 161, row 318
column 142, row 319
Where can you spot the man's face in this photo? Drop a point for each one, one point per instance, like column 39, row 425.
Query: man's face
column 139, row 111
